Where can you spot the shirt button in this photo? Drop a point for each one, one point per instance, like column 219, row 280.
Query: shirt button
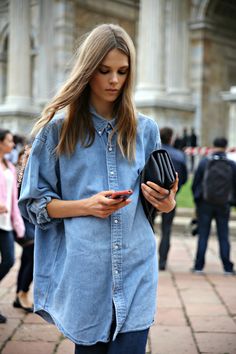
column 116, row 272
column 99, row 132
column 112, row 173
column 116, row 221
column 116, row 246
column 110, row 148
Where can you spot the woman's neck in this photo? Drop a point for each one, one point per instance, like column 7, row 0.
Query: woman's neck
column 104, row 110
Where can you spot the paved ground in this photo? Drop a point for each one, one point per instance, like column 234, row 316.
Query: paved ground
column 196, row 313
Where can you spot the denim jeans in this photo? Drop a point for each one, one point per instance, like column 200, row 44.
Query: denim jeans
column 6, row 251
column 125, row 343
column 206, row 213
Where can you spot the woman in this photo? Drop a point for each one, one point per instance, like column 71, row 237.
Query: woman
column 10, row 218
column 95, row 257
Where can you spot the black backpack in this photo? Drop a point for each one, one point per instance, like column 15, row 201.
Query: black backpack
column 218, row 181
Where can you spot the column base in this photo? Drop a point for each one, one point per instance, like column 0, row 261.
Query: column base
column 151, row 98
column 19, row 119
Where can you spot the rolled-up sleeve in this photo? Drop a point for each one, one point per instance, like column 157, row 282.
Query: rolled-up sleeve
column 40, row 183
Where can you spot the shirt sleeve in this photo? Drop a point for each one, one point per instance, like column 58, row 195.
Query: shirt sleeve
column 40, row 183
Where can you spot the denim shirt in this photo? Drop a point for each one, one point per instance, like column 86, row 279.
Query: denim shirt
column 89, row 269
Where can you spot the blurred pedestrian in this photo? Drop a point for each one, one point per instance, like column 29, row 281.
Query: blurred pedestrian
column 185, row 142
column 179, row 161
column 192, row 143
column 95, row 271
column 213, row 187
column 10, row 218
column 25, row 273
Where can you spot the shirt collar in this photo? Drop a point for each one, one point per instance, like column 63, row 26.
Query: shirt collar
column 100, row 123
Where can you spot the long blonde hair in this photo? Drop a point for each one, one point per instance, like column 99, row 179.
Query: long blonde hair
column 74, row 94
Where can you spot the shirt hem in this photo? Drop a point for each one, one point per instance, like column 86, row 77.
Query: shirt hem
column 47, row 316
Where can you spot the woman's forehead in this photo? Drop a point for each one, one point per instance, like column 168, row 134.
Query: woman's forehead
column 115, row 57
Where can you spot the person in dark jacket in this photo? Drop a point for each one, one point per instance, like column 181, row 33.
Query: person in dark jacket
column 206, row 211
column 179, row 161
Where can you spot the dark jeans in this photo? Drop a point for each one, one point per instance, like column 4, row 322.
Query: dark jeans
column 7, row 252
column 166, row 226
column 205, row 214
column 125, row 343
column 25, row 275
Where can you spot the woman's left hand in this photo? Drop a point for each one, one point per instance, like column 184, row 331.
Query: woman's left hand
column 162, row 199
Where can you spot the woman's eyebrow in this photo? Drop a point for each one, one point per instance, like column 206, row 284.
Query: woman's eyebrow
column 121, row 67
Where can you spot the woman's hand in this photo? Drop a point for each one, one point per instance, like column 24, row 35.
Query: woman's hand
column 162, row 199
column 3, row 209
column 101, row 206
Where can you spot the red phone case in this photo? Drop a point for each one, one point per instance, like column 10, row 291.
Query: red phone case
column 121, row 194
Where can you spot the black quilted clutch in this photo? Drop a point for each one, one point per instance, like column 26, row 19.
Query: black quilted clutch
column 159, row 169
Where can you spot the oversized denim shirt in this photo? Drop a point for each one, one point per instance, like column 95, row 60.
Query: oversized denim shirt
column 89, row 269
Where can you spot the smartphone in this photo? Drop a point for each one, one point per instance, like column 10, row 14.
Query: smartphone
column 121, row 194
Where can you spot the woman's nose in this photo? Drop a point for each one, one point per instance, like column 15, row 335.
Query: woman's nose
column 114, row 78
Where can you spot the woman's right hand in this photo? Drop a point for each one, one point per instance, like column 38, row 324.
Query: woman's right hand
column 101, row 206
column 3, row 209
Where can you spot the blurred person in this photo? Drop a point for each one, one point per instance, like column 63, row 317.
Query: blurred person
column 25, row 273
column 19, row 142
column 179, row 161
column 95, row 271
column 193, row 144
column 213, row 187
column 10, row 218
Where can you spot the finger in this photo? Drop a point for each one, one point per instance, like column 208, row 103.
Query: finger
column 106, row 193
column 156, row 193
column 157, row 188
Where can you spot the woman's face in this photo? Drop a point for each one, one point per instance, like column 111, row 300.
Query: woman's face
column 109, row 79
column 7, row 144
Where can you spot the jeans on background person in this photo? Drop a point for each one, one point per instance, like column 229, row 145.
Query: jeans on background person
column 206, row 213
column 25, row 275
column 125, row 343
column 166, row 226
column 7, row 252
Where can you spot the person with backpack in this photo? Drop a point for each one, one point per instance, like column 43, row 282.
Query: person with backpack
column 213, row 187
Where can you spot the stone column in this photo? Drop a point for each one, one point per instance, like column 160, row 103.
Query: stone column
column 46, row 75
column 65, row 15
column 177, row 50
column 19, row 76
column 151, row 52
column 230, row 97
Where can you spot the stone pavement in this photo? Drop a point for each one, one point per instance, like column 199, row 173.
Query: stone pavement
column 196, row 313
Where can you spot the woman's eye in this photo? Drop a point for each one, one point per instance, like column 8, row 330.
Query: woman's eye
column 122, row 72
column 103, row 71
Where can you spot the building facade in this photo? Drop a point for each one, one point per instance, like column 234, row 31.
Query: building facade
column 186, row 58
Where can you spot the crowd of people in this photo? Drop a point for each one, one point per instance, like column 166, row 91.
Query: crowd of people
column 77, row 238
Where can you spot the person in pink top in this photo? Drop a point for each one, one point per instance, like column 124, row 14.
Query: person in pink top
column 10, row 217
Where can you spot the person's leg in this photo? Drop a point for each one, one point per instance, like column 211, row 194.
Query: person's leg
column 6, row 251
column 24, row 279
column 222, row 224
column 98, row 348
column 166, row 226
column 204, row 215
column 129, row 343
column 26, row 271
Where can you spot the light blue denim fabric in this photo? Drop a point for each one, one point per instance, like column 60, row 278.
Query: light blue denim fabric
column 85, row 264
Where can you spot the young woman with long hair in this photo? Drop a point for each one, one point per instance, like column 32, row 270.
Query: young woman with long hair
column 95, row 255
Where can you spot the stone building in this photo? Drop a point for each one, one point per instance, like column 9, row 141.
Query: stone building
column 186, row 62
